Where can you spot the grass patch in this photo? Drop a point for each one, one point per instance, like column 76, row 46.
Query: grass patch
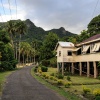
column 3, row 76
column 61, row 91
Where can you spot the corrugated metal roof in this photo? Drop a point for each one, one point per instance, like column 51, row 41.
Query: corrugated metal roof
column 92, row 38
column 66, row 44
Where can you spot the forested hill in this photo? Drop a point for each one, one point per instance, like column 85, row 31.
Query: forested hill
column 34, row 32
column 39, row 33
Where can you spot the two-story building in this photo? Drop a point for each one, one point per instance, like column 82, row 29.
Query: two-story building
column 81, row 58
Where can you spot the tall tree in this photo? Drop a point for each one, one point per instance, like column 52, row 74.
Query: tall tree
column 46, row 51
column 20, row 28
column 94, row 26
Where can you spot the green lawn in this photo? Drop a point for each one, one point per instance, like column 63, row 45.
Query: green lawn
column 78, row 82
column 61, row 91
column 3, row 76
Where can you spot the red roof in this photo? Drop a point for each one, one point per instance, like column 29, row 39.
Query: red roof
column 97, row 36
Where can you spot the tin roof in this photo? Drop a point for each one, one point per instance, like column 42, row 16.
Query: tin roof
column 64, row 44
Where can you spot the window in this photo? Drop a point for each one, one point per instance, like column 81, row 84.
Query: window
column 92, row 46
column 69, row 53
column 59, row 53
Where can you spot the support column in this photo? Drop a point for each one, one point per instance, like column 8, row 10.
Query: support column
column 80, row 67
column 62, row 68
column 72, row 69
column 88, row 69
column 95, row 69
column 57, row 67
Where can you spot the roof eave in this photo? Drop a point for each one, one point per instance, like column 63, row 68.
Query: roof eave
column 87, row 42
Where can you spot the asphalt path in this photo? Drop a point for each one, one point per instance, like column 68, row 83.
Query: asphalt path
column 20, row 85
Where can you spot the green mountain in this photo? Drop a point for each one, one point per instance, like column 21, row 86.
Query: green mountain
column 34, row 32
column 39, row 33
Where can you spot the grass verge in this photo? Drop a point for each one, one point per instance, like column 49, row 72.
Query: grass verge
column 3, row 76
column 61, row 91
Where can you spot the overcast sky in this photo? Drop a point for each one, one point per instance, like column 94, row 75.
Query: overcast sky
column 73, row 15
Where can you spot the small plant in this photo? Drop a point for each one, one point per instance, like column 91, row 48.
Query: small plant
column 44, row 75
column 68, row 78
column 97, row 98
column 44, row 69
column 60, row 76
column 67, row 84
column 59, row 82
column 51, row 78
column 86, row 90
column 47, row 77
column 96, row 92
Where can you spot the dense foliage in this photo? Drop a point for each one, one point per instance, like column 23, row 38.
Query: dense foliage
column 7, row 54
column 94, row 26
column 46, row 50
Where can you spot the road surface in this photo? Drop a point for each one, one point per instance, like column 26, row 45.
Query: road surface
column 21, row 85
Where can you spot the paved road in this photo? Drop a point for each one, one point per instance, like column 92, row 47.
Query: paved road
column 22, row 86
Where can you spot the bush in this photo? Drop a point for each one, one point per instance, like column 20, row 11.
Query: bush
column 97, row 98
column 51, row 78
column 44, row 69
column 96, row 92
column 59, row 76
column 59, row 82
column 68, row 78
column 67, row 84
column 45, row 63
column 47, row 77
column 52, row 74
column 86, row 90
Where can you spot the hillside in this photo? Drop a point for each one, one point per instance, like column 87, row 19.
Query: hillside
column 34, row 32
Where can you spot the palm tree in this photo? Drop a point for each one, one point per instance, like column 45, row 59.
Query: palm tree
column 20, row 29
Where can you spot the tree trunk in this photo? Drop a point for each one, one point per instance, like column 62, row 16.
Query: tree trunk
column 19, row 48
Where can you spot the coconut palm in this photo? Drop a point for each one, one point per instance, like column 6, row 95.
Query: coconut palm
column 20, row 28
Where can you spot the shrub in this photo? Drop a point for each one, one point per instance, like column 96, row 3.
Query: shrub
column 97, row 98
column 44, row 75
column 51, row 78
column 45, row 63
column 67, row 84
column 44, row 69
column 68, row 78
column 59, row 82
column 47, row 76
column 86, row 90
column 59, row 76
column 52, row 74
column 96, row 92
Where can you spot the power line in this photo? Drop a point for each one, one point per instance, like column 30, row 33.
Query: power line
column 95, row 8
column 3, row 8
column 9, row 8
column 16, row 8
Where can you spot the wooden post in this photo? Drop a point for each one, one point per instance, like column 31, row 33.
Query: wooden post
column 95, row 69
column 80, row 67
column 62, row 68
column 72, row 68
column 88, row 69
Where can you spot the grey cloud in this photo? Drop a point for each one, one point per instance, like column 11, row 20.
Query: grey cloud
column 74, row 15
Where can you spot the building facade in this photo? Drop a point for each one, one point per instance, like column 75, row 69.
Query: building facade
column 82, row 58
